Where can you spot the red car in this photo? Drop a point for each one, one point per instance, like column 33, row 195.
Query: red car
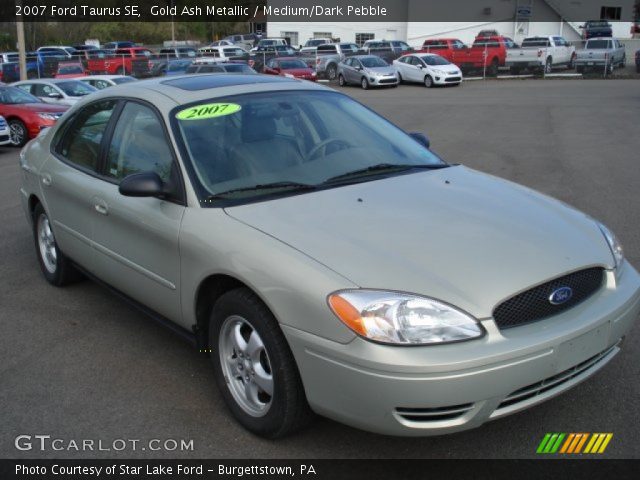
column 26, row 115
column 70, row 70
column 290, row 67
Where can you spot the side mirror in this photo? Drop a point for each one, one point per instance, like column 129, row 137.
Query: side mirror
column 421, row 138
column 145, row 184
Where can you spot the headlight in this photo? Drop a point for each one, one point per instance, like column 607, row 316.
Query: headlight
column 47, row 116
column 288, row 75
column 440, row 72
column 402, row 318
column 614, row 245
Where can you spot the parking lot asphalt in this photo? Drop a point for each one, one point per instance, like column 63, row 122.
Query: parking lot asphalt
column 78, row 363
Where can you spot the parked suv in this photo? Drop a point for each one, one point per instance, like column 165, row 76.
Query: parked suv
column 330, row 55
column 602, row 54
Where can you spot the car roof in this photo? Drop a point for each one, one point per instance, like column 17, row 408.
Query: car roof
column 103, row 77
column 167, row 93
column 46, row 80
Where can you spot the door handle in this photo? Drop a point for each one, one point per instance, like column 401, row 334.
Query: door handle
column 101, row 208
column 46, row 179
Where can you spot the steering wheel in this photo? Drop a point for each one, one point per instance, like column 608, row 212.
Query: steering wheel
column 323, row 145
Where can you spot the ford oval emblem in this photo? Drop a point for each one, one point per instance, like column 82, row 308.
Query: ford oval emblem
column 560, row 296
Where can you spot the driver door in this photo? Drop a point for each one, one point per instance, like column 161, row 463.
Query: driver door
column 136, row 239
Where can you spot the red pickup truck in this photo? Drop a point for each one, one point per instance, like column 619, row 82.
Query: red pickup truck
column 124, row 61
column 452, row 49
column 489, row 52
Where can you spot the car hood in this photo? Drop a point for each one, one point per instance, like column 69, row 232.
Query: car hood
column 467, row 238
column 446, row 68
column 381, row 70
column 298, row 72
column 40, row 107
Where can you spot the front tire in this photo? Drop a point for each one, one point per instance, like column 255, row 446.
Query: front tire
column 428, row 81
column 254, row 367
column 364, row 83
column 341, row 81
column 56, row 267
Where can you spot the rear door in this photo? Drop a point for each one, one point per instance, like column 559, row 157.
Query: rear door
column 136, row 239
column 69, row 178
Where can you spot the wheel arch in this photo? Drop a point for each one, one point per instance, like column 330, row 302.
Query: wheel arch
column 208, row 292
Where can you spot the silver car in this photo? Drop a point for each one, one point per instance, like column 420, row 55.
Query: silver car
column 57, row 91
column 367, row 71
column 325, row 259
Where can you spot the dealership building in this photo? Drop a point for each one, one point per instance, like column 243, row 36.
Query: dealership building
column 517, row 21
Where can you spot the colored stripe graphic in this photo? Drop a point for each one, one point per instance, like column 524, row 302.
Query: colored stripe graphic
column 573, row 443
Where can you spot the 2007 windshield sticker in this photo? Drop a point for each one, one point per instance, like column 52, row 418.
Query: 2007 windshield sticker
column 209, row 110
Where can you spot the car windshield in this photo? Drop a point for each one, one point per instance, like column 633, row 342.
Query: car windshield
column 70, row 69
column 120, row 80
column 435, row 60
column 238, row 68
column 289, row 137
column 373, row 62
column 13, row 95
column 596, row 44
column 75, row 88
column 292, row 64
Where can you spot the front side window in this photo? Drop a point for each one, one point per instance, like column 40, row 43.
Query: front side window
column 240, row 142
column 138, row 144
column 80, row 144
column 434, row 60
column 43, row 90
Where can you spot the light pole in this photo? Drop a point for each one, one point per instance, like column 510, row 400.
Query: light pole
column 22, row 57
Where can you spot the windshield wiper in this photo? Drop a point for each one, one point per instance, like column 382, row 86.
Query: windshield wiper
column 383, row 168
column 265, row 186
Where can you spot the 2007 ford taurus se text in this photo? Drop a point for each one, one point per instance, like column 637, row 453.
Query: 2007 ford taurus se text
column 328, row 260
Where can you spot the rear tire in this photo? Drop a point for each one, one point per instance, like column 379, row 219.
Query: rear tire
column 332, row 72
column 56, row 267
column 514, row 71
column 493, row 68
column 572, row 63
column 18, row 133
column 548, row 66
column 250, row 358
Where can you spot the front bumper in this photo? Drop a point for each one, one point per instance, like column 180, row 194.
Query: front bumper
column 447, row 79
column 432, row 390
column 382, row 81
column 4, row 136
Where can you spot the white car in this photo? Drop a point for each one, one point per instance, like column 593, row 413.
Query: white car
column 224, row 53
column 427, row 68
column 104, row 81
column 64, row 50
column 5, row 137
column 57, row 90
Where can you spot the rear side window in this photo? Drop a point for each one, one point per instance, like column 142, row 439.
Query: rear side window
column 327, row 48
column 81, row 141
column 139, row 145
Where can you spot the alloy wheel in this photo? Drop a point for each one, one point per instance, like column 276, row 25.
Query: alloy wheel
column 47, row 244
column 17, row 134
column 246, row 366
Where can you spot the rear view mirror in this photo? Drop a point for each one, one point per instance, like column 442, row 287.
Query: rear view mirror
column 421, row 138
column 145, row 184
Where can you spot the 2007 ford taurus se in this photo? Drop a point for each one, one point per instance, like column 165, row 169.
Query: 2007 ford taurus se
column 329, row 261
